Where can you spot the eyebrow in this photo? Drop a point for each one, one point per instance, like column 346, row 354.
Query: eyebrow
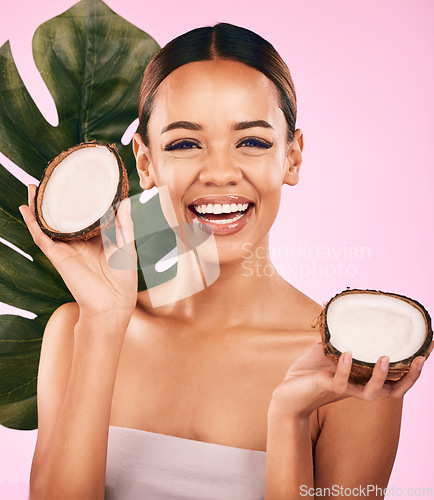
column 182, row 124
column 195, row 126
column 251, row 124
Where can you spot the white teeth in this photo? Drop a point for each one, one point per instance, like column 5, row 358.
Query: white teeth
column 217, row 208
column 227, row 221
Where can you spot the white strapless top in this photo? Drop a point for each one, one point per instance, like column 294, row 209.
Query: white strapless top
column 143, row 465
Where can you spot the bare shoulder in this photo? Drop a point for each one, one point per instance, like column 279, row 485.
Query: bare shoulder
column 309, row 307
column 65, row 315
column 59, row 331
column 301, row 308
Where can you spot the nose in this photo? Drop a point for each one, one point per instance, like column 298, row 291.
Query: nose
column 220, row 170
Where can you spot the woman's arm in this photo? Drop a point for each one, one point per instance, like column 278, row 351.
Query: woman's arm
column 357, row 445
column 79, row 358
column 289, row 461
column 346, row 426
column 77, row 372
column 354, row 453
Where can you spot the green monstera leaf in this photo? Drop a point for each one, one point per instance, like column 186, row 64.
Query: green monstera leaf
column 92, row 62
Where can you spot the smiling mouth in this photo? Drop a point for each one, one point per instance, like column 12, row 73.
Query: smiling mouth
column 222, row 214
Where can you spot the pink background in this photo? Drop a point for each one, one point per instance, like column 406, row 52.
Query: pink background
column 361, row 214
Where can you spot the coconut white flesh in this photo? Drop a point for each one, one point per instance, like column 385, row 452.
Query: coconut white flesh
column 80, row 189
column 374, row 325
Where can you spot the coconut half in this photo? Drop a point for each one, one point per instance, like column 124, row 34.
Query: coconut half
column 371, row 324
column 79, row 192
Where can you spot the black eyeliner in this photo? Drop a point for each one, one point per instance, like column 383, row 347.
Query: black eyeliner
column 264, row 144
column 178, row 145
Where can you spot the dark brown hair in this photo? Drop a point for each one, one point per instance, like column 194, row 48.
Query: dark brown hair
column 222, row 41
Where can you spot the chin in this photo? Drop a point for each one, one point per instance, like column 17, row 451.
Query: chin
column 229, row 250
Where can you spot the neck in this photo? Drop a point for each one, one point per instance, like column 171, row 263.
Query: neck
column 227, row 294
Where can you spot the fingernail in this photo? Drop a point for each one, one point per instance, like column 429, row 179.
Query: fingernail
column 384, row 365
column 420, row 364
column 347, row 358
column 21, row 212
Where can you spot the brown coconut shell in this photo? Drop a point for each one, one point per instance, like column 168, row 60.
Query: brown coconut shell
column 361, row 371
column 101, row 224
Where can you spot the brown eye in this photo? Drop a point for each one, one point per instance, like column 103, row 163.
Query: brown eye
column 254, row 142
column 182, row 145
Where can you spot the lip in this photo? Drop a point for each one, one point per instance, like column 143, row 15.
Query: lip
column 220, row 199
column 220, row 229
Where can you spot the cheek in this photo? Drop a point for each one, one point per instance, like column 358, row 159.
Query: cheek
column 271, row 203
column 168, row 205
column 170, row 188
column 269, row 180
column 269, row 187
column 166, row 174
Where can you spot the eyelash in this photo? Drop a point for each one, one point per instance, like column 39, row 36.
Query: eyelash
column 180, row 145
column 258, row 143
column 189, row 144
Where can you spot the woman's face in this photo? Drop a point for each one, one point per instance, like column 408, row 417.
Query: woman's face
column 218, row 142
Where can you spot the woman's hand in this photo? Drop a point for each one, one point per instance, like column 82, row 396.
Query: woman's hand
column 314, row 381
column 96, row 286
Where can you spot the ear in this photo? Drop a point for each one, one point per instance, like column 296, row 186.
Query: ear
column 143, row 162
column 294, row 159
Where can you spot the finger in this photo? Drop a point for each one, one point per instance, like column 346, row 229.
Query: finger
column 44, row 242
column 123, row 258
column 400, row 387
column 125, row 235
column 343, row 370
column 31, row 192
column 108, row 245
column 124, row 223
column 373, row 387
column 124, row 230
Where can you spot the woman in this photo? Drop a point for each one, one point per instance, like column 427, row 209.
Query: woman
column 209, row 380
